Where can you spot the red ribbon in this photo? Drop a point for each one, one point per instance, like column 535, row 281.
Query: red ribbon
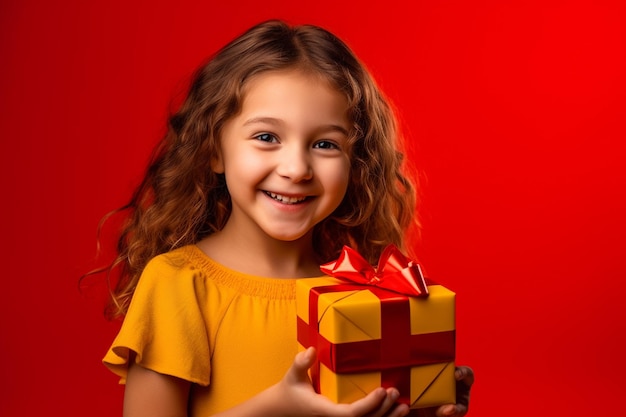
column 395, row 272
column 397, row 350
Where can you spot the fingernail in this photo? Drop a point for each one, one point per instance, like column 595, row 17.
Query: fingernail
column 394, row 394
column 307, row 354
column 449, row 410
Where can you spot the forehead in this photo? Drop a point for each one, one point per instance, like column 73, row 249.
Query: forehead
column 294, row 93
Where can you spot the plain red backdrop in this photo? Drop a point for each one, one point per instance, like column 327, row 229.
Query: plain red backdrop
column 516, row 115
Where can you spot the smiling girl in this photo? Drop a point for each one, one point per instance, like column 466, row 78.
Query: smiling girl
column 283, row 151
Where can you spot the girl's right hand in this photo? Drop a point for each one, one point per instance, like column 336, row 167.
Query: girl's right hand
column 300, row 399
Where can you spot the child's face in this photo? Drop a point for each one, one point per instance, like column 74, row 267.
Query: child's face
column 285, row 156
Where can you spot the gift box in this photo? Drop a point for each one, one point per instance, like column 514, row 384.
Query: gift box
column 384, row 326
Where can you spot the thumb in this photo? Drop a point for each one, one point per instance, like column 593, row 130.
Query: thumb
column 301, row 364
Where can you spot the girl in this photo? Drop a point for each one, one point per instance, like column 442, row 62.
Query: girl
column 283, row 151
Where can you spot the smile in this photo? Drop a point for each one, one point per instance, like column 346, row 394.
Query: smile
column 285, row 199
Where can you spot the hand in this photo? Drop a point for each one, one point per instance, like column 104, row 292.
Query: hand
column 464, row 381
column 300, row 399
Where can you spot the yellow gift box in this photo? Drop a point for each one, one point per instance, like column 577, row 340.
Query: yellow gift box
column 367, row 337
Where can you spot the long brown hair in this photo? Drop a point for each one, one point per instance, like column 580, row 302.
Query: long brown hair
column 181, row 200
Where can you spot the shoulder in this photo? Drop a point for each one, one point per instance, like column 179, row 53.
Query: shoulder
column 178, row 273
column 178, row 284
column 189, row 272
column 175, row 261
column 170, row 267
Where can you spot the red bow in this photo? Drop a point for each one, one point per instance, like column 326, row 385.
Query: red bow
column 395, row 272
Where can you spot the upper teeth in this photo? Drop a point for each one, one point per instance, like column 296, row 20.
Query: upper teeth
column 285, row 199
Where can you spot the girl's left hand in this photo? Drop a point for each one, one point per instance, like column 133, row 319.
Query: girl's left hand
column 464, row 381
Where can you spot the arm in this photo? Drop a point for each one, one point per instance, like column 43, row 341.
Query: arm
column 149, row 393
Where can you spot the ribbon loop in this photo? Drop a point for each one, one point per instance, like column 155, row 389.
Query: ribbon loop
column 395, row 272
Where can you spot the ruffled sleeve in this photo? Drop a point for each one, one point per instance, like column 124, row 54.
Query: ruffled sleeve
column 165, row 325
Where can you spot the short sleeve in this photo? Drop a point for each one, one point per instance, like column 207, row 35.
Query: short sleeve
column 165, row 325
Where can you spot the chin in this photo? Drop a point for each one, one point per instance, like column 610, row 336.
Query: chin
column 291, row 237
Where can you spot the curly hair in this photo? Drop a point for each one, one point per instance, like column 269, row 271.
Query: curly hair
column 181, row 200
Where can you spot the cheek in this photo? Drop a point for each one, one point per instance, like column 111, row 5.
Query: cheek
column 247, row 166
column 338, row 181
column 251, row 163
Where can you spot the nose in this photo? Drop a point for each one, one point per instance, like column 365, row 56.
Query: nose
column 294, row 163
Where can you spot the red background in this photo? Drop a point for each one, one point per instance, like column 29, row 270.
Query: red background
column 516, row 111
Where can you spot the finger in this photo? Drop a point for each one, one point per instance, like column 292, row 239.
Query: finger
column 370, row 403
column 298, row 372
column 388, row 407
column 446, row 410
column 464, row 380
column 464, row 374
column 306, row 358
column 399, row 410
column 387, row 403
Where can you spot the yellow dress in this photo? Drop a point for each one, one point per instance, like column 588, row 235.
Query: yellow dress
column 230, row 334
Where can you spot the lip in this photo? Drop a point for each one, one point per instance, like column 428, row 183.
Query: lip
column 287, row 198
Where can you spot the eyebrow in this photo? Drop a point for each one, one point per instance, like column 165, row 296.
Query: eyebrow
column 278, row 122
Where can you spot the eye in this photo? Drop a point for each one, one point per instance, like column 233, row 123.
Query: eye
column 326, row 144
column 266, row 137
